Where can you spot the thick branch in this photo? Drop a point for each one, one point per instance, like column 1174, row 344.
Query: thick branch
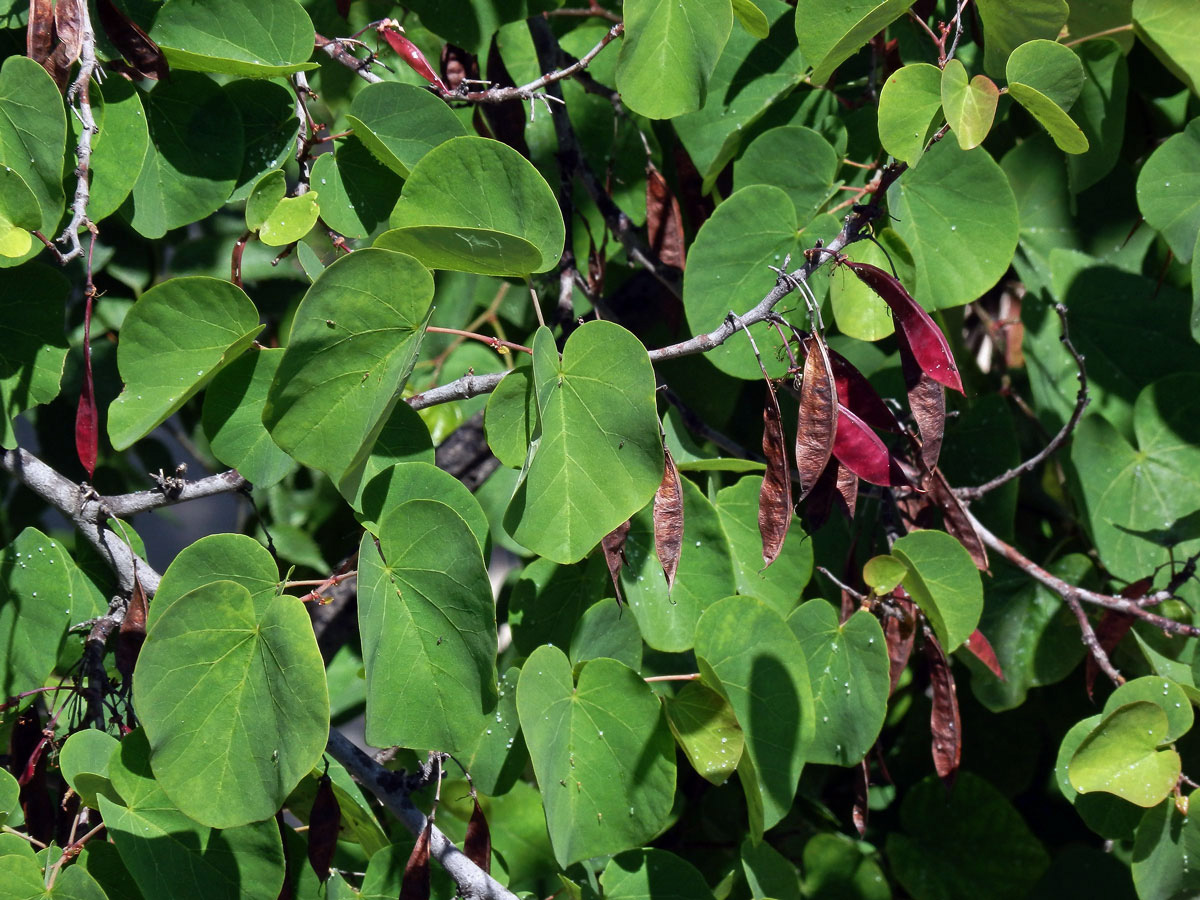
column 1081, row 401
column 125, row 505
column 390, row 787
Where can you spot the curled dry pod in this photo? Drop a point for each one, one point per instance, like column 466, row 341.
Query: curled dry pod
column 664, row 221
column 613, row 545
column 134, row 44
column 323, row 824
column 668, row 519
column 856, row 393
column 775, row 497
column 133, row 632
column 477, row 845
column 862, row 452
column 981, row 648
column 927, row 400
column 392, row 32
column 39, row 34
column 929, row 345
column 944, row 722
column 415, row 885
column 68, row 28
column 847, row 488
column 955, row 519
column 899, row 631
column 816, row 422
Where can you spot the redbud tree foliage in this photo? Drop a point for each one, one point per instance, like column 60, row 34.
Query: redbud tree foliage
column 661, row 449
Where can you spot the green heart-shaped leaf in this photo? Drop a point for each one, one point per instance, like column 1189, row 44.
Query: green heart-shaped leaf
column 227, row 557
column 1168, row 190
column 354, row 341
column 33, row 134
column 597, row 414
column 1168, row 27
column 643, row 873
column 263, row 39
column 602, row 752
column 1121, row 756
column 908, row 103
column 209, row 656
column 35, row 609
column 400, row 123
column 707, row 731
column 34, row 345
column 84, row 762
column 970, row 106
column 356, row 191
column 173, row 341
column 943, row 581
column 829, row 34
column 798, row 160
column 477, row 205
column 1163, row 693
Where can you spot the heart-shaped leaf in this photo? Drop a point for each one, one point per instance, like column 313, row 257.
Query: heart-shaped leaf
column 1168, row 27
column 33, row 133
column 419, row 480
column 36, row 348
column 228, row 557
column 1007, row 24
column 669, row 51
column 1164, row 849
column 970, row 106
column 829, row 34
column 798, row 160
column 1167, row 190
column 279, row 220
column 263, row 39
column 19, row 214
column 943, row 581
column 173, row 341
column 1163, row 693
column 208, row 656
column 908, row 103
column 400, row 123
column 653, row 873
column 582, row 739
column 357, row 192
column 354, row 341
column 597, row 414
column 707, row 731
column 429, row 628
column 84, row 762
column 476, row 205
column 1121, row 756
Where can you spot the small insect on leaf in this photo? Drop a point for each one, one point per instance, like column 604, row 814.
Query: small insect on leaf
column 981, row 648
column 392, row 32
column 927, row 400
column 415, row 885
column 323, row 823
column 775, row 497
column 816, row 422
column 944, row 722
column 929, row 345
column 477, row 845
column 613, row 545
column 664, row 221
column 668, row 519
column 142, row 54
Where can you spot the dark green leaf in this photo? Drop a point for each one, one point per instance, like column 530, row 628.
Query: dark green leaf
column 264, row 39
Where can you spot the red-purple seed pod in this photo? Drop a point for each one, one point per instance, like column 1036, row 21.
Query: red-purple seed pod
column 409, row 52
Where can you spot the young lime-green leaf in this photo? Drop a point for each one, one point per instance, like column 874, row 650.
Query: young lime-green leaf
column 354, row 341
column 428, row 623
column 753, row 19
column 1169, row 27
column 511, row 416
column 599, row 457
column 908, row 106
column 35, row 609
column 667, row 617
column 403, row 438
column 124, row 136
column 356, row 191
column 19, row 214
column 1007, row 24
column 33, row 348
column 669, row 51
column 1067, row 135
column 780, row 584
column 727, row 270
column 970, row 835
column 84, row 762
column 639, row 874
column 1106, row 814
column 268, row 191
column 10, row 806
column 232, row 418
column 1162, row 692
column 194, row 157
column 707, row 731
column 33, row 134
column 263, row 39
column 1050, row 68
column 208, row 657
column 748, row 654
column 400, row 123
column 848, row 671
column 268, row 113
column 476, row 205
column 1121, row 756
column 943, row 581
column 829, row 34
column 970, row 106
column 218, row 557
column 170, row 855
column 957, row 213
column 1099, row 111
column 796, row 159
column 173, row 341
column 602, row 753
column 883, row 573
column 419, row 480
column 750, row 76
column 1168, row 190
column 1133, row 497
column 291, row 219
column 859, row 311
column 1164, row 851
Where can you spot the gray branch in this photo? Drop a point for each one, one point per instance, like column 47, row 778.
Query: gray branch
column 78, row 95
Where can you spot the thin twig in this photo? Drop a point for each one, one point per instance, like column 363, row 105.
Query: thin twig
column 1099, row 34
column 692, row 676
column 494, row 342
column 1088, row 636
column 78, row 96
column 1081, row 402
column 841, row 585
